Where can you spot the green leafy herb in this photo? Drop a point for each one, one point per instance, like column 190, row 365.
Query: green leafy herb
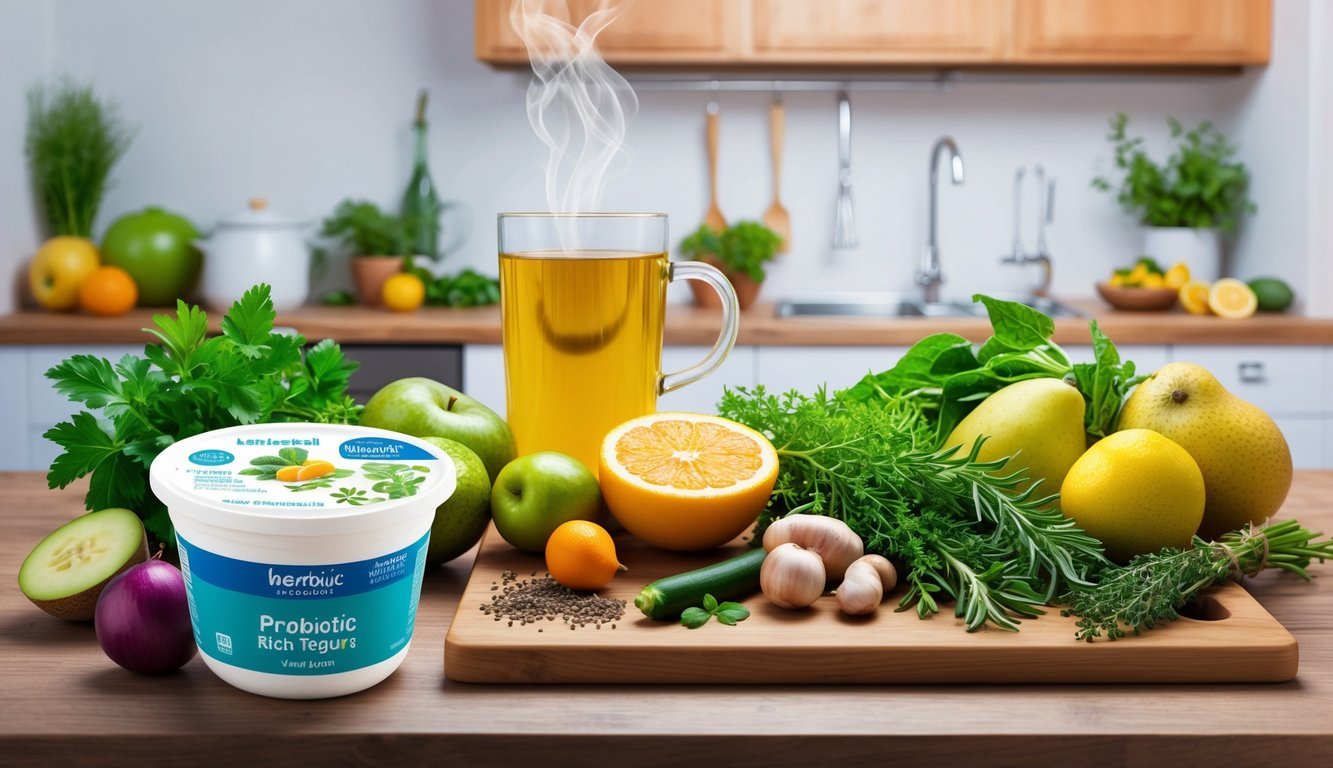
column 468, row 288
column 396, row 481
column 1153, row 588
column 742, row 247
column 726, row 612
column 186, row 384
column 1200, row 186
column 368, row 230
column 948, row 377
column 964, row 531
column 73, row 142
column 354, row 497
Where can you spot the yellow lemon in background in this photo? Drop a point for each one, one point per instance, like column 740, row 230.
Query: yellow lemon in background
column 1194, row 297
column 1136, row 492
column 1177, row 275
column 404, row 292
column 1232, row 299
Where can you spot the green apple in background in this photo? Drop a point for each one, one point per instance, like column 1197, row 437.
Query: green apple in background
column 423, row 407
column 461, row 519
column 534, row 494
column 157, row 249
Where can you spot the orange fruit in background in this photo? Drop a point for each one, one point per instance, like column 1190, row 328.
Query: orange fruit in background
column 686, row 481
column 403, row 292
column 108, row 291
column 581, row 555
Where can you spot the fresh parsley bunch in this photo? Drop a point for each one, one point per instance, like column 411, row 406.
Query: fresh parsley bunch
column 184, row 385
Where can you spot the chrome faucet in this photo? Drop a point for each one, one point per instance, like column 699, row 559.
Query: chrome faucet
column 1045, row 214
column 930, row 276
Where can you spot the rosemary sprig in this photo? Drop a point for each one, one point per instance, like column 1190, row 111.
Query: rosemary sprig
column 963, row 532
column 1153, row 588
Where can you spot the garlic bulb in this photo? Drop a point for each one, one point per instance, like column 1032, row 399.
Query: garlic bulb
column 792, row 576
column 835, row 543
column 864, row 585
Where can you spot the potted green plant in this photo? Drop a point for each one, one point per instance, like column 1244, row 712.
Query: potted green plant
column 1186, row 203
column 740, row 251
column 379, row 243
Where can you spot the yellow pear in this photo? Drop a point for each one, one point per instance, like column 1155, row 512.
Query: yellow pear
column 1244, row 458
column 1037, row 423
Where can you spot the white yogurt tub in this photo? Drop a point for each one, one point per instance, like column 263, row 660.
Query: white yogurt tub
column 302, row 587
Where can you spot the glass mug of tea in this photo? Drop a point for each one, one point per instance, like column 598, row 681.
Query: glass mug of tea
column 583, row 304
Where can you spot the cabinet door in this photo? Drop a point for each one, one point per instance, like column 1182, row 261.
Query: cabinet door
column 1187, row 32
column 1280, row 380
column 805, row 369
column 702, row 396
column 676, row 32
column 855, row 31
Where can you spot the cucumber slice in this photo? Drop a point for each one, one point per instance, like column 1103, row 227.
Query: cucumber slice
column 64, row 574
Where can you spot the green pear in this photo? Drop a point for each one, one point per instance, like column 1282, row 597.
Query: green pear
column 1244, row 458
column 1037, row 423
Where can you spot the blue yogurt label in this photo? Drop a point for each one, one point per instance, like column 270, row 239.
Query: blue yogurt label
column 303, row 619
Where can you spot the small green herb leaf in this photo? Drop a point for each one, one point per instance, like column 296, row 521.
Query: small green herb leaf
column 693, row 618
column 710, row 603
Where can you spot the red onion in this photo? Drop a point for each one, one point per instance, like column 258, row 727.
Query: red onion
column 143, row 619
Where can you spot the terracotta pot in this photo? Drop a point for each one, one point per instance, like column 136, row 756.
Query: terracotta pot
column 747, row 289
column 369, row 274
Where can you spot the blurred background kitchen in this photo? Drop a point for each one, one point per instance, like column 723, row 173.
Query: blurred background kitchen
column 305, row 103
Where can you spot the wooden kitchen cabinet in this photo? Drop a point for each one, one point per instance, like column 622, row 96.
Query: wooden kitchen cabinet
column 676, row 32
column 890, row 32
column 1129, row 32
column 719, row 34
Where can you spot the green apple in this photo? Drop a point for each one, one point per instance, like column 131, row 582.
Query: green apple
column 535, row 493
column 422, row 407
column 461, row 519
column 157, row 248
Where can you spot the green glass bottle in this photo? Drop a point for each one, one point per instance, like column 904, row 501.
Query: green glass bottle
column 421, row 205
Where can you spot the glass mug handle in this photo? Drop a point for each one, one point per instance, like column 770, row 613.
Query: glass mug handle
column 731, row 324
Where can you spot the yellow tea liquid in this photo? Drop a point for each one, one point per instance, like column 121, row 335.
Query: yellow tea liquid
column 582, row 345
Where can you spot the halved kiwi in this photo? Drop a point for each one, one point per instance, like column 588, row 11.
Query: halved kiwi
column 65, row 572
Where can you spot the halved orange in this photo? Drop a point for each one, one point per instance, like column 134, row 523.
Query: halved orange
column 314, row 470
column 1194, row 297
column 686, row 481
column 1232, row 299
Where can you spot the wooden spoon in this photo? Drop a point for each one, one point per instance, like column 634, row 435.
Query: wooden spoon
column 776, row 217
column 713, row 219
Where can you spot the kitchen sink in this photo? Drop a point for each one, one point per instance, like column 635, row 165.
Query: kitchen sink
column 901, row 305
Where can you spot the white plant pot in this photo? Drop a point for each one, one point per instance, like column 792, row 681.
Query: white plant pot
column 1201, row 249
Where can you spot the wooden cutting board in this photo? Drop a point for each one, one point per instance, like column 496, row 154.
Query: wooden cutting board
column 1233, row 640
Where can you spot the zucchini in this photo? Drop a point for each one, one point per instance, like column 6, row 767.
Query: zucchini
column 728, row 580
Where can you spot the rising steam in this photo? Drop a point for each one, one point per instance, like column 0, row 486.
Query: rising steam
column 578, row 105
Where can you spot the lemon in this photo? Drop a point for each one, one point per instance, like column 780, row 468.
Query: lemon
column 1135, row 491
column 686, row 481
column 1232, row 299
column 1154, row 280
column 1177, row 275
column 1137, row 275
column 404, row 292
column 1194, row 297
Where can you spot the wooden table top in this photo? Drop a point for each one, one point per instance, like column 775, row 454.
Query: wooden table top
column 687, row 324
column 63, row 701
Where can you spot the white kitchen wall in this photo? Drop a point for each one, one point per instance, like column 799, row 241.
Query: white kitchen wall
column 25, row 57
column 308, row 101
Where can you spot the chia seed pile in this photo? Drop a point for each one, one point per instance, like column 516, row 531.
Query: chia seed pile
column 528, row 601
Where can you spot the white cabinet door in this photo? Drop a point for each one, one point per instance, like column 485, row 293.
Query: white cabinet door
column 484, row 375
column 14, row 453
column 805, row 369
column 1281, row 380
column 738, row 370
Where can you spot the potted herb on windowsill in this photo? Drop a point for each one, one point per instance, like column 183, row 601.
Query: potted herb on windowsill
column 740, row 251
column 1186, row 204
column 379, row 243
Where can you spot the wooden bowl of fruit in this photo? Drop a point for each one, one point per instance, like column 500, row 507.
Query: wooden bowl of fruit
column 1145, row 287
